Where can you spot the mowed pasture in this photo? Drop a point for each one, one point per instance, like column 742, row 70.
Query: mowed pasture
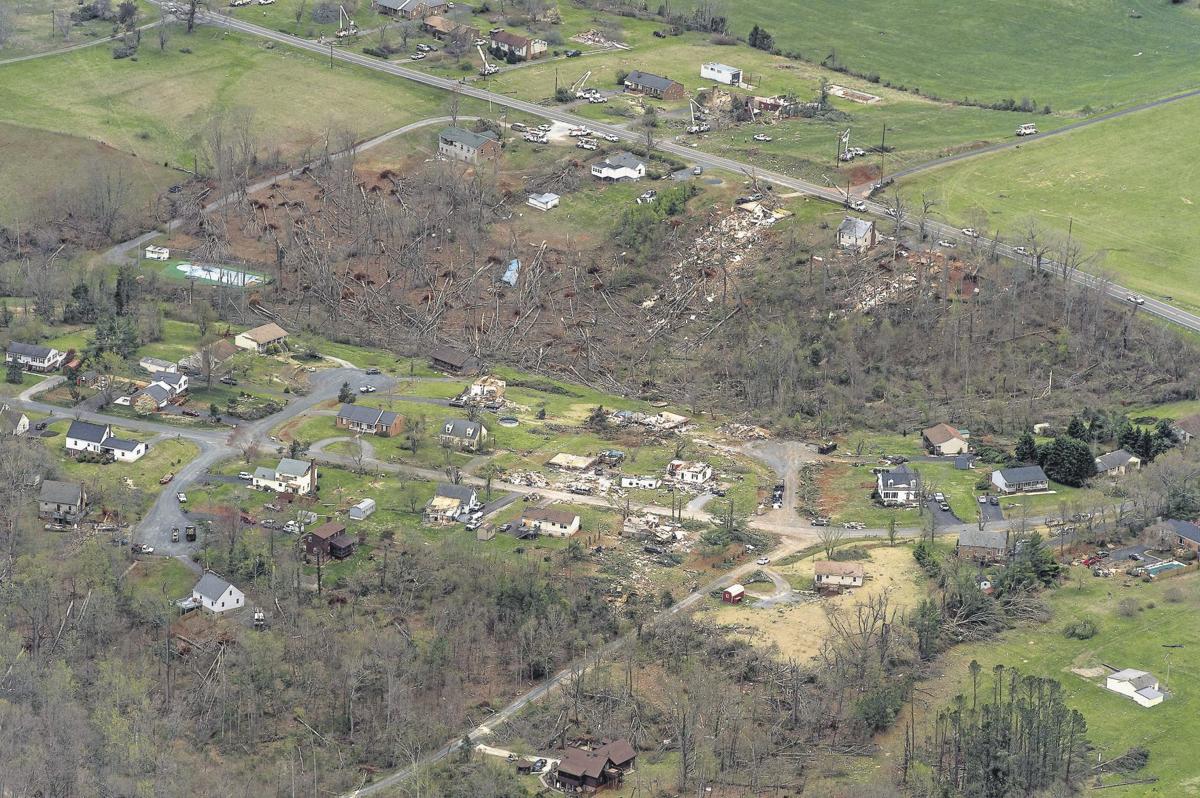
column 1126, row 188
column 1159, row 614
column 159, row 106
column 31, row 31
column 1065, row 53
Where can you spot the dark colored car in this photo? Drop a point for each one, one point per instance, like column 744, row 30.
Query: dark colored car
column 372, row 372
column 574, row 53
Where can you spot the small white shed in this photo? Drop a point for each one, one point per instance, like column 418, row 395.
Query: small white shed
column 157, row 253
column 543, row 201
column 360, row 511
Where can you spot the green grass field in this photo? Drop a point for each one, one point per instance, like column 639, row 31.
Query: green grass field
column 1068, row 53
column 31, row 31
column 1115, row 723
column 158, row 106
column 1127, row 187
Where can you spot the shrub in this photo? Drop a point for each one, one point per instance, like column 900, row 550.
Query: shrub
column 1128, row 608
column 377, row 52
column 1081, row 630
column 1173, row 595
column 851, row 553
column 123, row 51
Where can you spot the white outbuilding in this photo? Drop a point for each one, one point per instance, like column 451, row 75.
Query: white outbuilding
column 543, row 202
column 1141, row 686
column 360, row 511
column 721, row 73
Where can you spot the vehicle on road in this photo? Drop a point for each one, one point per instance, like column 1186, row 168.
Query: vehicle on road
column 970, row 232
column 945, row 507
column 189, row 533
column 371, row 372
column 763, row 561
column 1021, row 251
column 245, row 475
column 1135, row 299
column 367, row 389
column 1028, row 129
column 947, row 243
column 820, row 521
column 175, row 534
column 856, row 205
column 182, row 497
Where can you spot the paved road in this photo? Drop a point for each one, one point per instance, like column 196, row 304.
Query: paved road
column 1155, row 307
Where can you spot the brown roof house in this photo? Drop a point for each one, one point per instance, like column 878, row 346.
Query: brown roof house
column 832, row 575
column 945, row 439
column 549, row 521
column 520, row 48
column 455, row 361
column 329, row 540
column 261, row 338
column 1173, row 533
column 982, row 545
column 589, row 769
column 441, row 28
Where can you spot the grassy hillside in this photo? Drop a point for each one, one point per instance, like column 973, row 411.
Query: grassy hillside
column 1129, row 186
column 1068, row 53
column 158, row 106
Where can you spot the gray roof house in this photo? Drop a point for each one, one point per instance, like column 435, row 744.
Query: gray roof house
column 464, row 493
column 13, row 422
column 87, row 431
column 982, row 544
column 462, row 433
column 856, row 234
column 155, row 393
column 293, row 468
column 370, row 420
column 653, row 85
column 620, row 166
column 465, row 145
column 1017, row 480
column 64, row 502
column 1115, row 464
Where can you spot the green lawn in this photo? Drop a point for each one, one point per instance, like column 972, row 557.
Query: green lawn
column 1172, row 410
column 30, row 30
column 1067, row 53
column 1126, row 187
column 160, row 579
column 1115, row 723
column 28, row 380
column 159, row 105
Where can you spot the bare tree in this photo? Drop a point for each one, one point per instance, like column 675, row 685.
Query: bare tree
column 163, row 33
column 6, row 25
column 830, row 536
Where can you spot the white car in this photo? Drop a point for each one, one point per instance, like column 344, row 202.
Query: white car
column 761, row 137
column 1021, row 251
column 609, row 137
column 291, row 526
column 942, row 242
column 245, row 475
column 545, row 128
column 367, row 389
column 969, row 232
column 1135, row 299
column 763, row 561
column 856, row 205
column 417, row 56
column 182, row 497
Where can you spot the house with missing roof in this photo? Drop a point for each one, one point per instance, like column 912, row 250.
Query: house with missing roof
column 550, row 521
column 261, row 338
column 290, row 476
column 856, row 235
column 898, row 487
column 463, row 434
column 83, row 436
column 214, row 594
column 369, row 420
column 61, row 502
column 1026, row 479
column 448, row 502
column 1117, row 464
column 1141, row 686
column 689, row 472
column 945, row 440
column 651, row 85
column 620, row 166
column 460, row 144
column 34, row 357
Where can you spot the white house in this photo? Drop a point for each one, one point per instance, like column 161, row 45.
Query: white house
column 898, row 486
column 290, row 476
column 216, row 595
column 644, row 483
column 155, row 365
column 449, row 501
column 857, row 235
column 691, row 473
column 830, row 574
column 261, row 337
column 360, row 511
column 33, row 357
column 157, row 253
column 1141, row 686
column 548, row 521
column 543, row 202
column 1020, row 480
column 83, row 436
column 174, row 382
column 12, row 422
column 721, row 73
column 620, row 166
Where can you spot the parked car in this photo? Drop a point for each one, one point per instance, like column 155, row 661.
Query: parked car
column 697, row 170
column 994, row 501
column 574, row 53
column 505, row 527
column 166, row 478
column 473, row 525
column 761, row 137
column 417, row 56
column 947, row 243
column 763, row 561
column 1021, row 251
column 371, row 372
column 539, row 764
column 182, row 497
column 268, row 523
column 41, row 425
column 856, row 205
column 367, row 389
column 228, row 380
column 189, row 413
column 291, row 526
column 245, row 475
column 939, row 497
column 175, row 534
column 983, row 499
column 969, row 232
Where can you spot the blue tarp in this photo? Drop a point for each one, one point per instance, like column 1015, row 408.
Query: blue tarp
column 510, row 275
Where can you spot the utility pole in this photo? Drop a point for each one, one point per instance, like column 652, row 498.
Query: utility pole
column 331, row 55
column 882, row 145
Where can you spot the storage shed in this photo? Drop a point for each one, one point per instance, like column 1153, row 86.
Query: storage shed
column 360, row 511
column 733, row 594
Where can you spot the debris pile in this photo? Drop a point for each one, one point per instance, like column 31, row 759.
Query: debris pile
column 744, row 432
column 596, row 39
column 658, row 422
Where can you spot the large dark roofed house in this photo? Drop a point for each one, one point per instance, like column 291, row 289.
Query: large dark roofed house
column 584, row 769
column 654, row 85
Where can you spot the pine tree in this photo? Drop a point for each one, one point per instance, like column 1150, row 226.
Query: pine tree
column 345, row 395
column 1027, row 449
column 1076, row 429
